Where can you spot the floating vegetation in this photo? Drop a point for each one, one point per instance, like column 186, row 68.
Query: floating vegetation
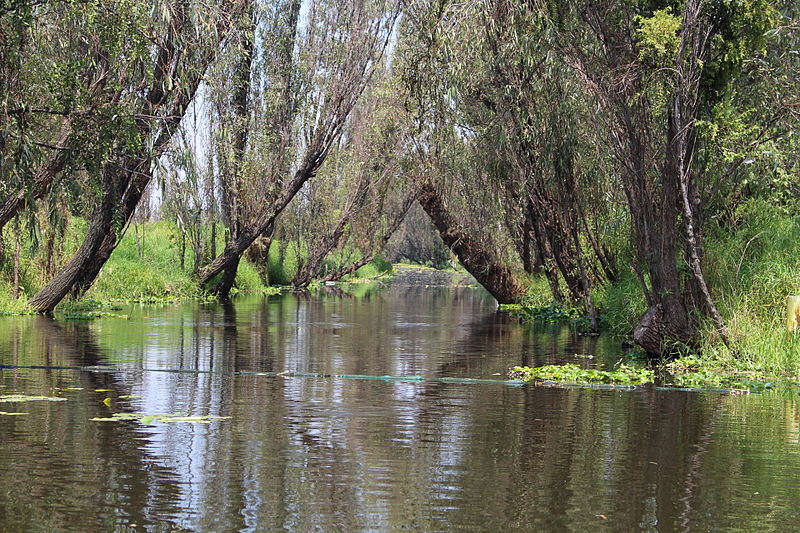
column 553, row 313
column 696, row 372
column 24, row 398
column 570, row 373
column 92, row 315
column 162, row 418
column 89, row 310
column 4, row 413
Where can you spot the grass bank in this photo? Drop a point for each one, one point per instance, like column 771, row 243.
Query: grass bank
column 146, row 267
column 752, row 264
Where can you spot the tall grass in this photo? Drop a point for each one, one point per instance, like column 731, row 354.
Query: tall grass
column 752, row 268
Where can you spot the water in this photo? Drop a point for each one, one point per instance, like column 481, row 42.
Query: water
column 333, row 454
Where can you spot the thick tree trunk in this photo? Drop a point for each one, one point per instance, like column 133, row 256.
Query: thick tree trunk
column 16, row 257
column 85, row 258
column 487, row 270
column 226, row 282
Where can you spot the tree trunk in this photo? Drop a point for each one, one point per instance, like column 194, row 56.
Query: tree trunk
column 487, row 270
column 226, row 282
column 16, row 257
column 85, row 258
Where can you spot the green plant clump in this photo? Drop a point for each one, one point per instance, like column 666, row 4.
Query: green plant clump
column 700, row 372
column 571, row 373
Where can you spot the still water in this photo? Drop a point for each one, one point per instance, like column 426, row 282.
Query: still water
column 339, row 454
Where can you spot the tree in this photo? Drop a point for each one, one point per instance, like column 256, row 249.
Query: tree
column 341, row 47
column 183, row 47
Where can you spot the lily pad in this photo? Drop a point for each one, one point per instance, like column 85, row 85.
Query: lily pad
column 25, row 398
column 118, row 416
column 162, row 418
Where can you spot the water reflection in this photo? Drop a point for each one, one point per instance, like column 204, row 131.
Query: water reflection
column 304, row 454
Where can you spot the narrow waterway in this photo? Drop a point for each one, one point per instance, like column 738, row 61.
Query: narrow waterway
column 346, row 454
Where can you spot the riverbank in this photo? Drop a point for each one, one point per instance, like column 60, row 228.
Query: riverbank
column 147, row 267
column 751, row 266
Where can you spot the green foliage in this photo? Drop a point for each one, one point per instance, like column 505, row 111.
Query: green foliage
column 552, row 312
column 281, row 267
column 17, row 398
column 10, row 305
column 571, row 373
column 89, row 310
column 375, row 268
column 753, row 267
column 247, row 277
column 143, row 268
column 740, row 30
column 658, row 35
column 620, row 303
column 537, row 292
column 703, row 372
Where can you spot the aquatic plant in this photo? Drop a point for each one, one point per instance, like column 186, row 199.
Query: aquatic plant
column 162, row 418
column 9, row 398
column 702, row 372
column 622, row 374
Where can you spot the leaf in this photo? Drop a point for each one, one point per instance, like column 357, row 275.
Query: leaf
column 11, row 414
column 24, row 398
column 163, row 418
column 107, row 402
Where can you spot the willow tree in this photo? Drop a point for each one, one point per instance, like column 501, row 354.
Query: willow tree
column 184, row 38
column 63, row 71
column 358, row 201
column 338, row 47
column 455, row 184
column 657, row 69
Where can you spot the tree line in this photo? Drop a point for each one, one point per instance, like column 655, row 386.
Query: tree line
column 577, row 142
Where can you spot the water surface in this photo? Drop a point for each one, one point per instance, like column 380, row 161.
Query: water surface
column 333, row 454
